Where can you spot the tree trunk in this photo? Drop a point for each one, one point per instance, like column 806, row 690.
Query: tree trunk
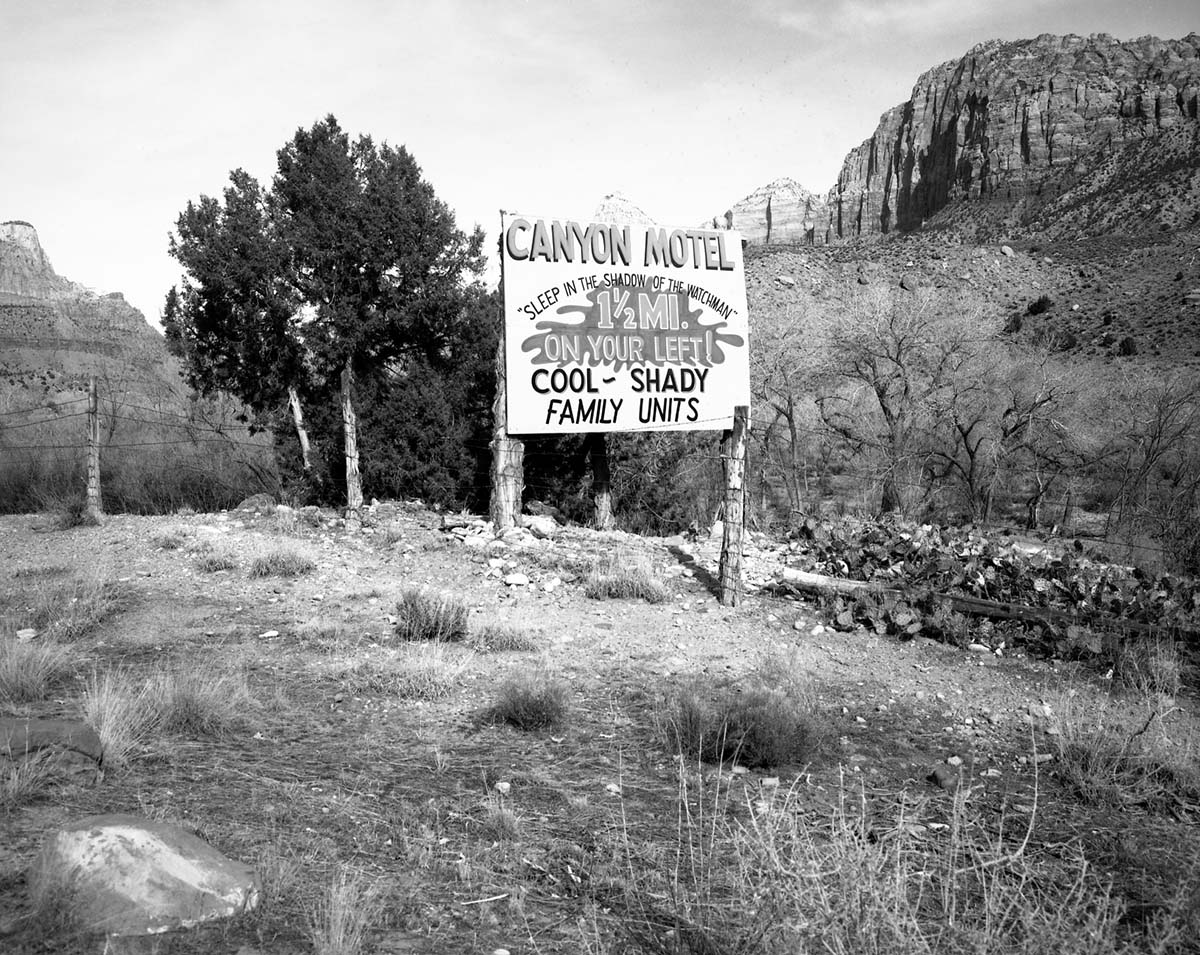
column 508, row 456
column 301, row 433
column 602, row 513
column 350, row 430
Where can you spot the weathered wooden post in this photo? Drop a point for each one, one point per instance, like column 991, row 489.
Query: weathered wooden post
column 733, row 457
column 95, row 509
column 350, row 430
column 508, row 453
column 508, row 456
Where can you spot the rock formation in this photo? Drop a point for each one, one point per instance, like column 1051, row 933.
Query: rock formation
column 1003, row 121
column 55, row 333
column 783, row 212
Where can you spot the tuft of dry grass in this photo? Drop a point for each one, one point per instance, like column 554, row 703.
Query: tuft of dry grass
column 500, row 821
column 201, row 701
column 29, row 670
column 212, row 563
column 340, row 921
column 281, row 563
column 170, row 539
column 625, row 577
column 63, row 609
column 24, row 780
column 770, row 721
column 531, row 699
column 122, row 709
column 424, row 615
column 499, row 638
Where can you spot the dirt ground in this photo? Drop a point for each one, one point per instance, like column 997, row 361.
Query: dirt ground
column 329, row 770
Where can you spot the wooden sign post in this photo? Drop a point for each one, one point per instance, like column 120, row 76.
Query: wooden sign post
column 733, row 457
column 95, row 508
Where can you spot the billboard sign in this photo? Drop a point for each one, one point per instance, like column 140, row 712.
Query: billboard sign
column 622, row 327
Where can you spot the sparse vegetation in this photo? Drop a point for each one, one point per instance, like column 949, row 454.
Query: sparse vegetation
column 625, row 577
column 531, row 699
column 281, row 563
column 500, row 821
column 425, row 615
column 1040, row 305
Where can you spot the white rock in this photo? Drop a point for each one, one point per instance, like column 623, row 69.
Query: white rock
column 516, row 580
column 125, row 875
column 25, row 635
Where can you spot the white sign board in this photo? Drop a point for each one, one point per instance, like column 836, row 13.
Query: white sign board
column 622, row 327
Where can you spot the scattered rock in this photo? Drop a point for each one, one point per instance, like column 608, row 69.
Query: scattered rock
column 785, row 280
column 26, row 634
column 125, row 875
column 945, row 777
column 516, row 580
column 21, row 737
column 1006, row 251
column 257, row 504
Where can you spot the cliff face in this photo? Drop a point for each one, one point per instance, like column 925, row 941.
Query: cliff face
column 1006, row 119
column 55, row 333
column 783, row 212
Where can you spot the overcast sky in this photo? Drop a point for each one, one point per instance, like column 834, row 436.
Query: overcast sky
column 114, row 113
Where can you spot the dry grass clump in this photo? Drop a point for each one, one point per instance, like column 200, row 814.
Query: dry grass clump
column 201, row 701
column 169, row 540
column 1149, row 667
column 499, row 821
column 213, row 563
column 425, row 615
column 426, row 671
column 1115, row 758
column 24, row 780
column 770, row 721
column 29, row 670
column 500, row 638
column 341, row 919
column 46, row 570
column 531, row 699
column 71, row 512
column 281, row 563
column 625, row 577
column 122, row 708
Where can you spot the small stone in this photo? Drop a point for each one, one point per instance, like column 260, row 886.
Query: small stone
column 739, row 770
column 954, row 761
column 944, row 778
column 1044, row 757
column 268, row 634
column 798, row 625
column 979, row 648
column 503, row 788
column 26, row 634
column 612, row 789
column 1006, row 251
column 516, row 580
column 770, row 782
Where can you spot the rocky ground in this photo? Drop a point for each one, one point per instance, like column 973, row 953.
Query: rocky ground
column 329, row 767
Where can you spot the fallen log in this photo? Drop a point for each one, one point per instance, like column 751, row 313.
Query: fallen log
column 977, row 606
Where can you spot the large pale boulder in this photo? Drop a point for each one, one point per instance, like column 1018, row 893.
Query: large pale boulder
column 125, row 875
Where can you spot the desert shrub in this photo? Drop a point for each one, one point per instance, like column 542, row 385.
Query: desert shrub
column 280, row 563
column 624, row 577
column 29, row 670
column 531, row 699
column 425, row 615
column 1127, row 347
column 499, row 820
column 424, row 671
column 1040, row 305
column 169, row 540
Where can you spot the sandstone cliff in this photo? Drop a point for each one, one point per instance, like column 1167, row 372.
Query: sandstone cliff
column 783, row 212
column 1008, row 121
column 55, row 333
